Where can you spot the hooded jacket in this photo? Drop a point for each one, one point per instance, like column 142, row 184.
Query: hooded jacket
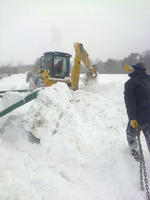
column 137, row 97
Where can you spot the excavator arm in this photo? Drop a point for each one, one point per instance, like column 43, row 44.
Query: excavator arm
column 82, row 55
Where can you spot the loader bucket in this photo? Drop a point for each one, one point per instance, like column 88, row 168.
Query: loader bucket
column 91, row 76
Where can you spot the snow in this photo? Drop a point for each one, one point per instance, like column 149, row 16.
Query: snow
column 82, row 153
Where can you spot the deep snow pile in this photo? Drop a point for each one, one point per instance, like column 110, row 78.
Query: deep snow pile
column 83, row 152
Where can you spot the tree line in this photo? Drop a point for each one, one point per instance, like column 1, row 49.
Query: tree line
column 111, row 66
column 117, row 66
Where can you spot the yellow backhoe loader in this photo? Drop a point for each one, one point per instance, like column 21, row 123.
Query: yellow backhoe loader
column 55, row 66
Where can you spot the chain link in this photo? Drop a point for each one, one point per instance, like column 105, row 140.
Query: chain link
column 143, row 169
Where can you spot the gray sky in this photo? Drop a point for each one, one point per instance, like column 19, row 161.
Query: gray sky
column 106, row 28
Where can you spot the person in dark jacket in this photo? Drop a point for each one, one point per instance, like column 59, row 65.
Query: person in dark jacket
column 137, row 101
column 58, row 67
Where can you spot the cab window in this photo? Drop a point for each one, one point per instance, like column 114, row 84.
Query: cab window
column 42, row 61
column 61, row 66
column 49, row 62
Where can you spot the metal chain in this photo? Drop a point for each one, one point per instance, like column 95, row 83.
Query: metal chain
column 143, row 169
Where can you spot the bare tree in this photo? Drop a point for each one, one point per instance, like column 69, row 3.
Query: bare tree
column 6, row 68
column 37, row 62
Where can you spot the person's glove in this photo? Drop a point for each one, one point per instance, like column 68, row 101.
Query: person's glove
column 128, row 68
column 134, row 123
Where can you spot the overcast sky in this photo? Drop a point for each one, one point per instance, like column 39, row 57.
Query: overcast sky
column 106, row 28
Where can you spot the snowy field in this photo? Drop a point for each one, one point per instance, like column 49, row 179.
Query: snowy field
column 82, row 154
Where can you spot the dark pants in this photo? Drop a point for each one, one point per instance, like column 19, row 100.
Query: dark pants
column 132, row 139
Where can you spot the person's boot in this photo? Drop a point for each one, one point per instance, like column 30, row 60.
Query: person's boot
column 135, row 154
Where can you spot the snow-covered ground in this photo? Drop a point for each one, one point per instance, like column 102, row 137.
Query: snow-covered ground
column 82, row 154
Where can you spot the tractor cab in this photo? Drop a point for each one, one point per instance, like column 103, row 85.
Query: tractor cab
column 57, row 63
